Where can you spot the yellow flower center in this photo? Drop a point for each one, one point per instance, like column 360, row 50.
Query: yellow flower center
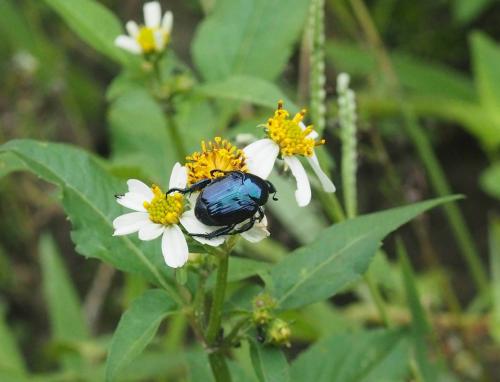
column 146, row 39
column 218, row 154
column 287, row 133
column 165, row 209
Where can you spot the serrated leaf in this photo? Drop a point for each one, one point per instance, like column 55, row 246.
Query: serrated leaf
column 136, row 329
column 338, row 256
column 94, row 24
column 88, row 199
column 253, row 37
column 257, row 91
column 64, row 308
column 140, row 136
column 269, row 363
column 378, row 355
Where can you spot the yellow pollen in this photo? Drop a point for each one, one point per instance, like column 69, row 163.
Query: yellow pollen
column 146, row 39
column 165, row 209
column 288, row 134
column 218, row 154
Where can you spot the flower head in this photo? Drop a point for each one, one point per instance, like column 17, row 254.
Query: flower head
column 218, row 154
column 158, row 214
column 153, row 36
column 289, row 139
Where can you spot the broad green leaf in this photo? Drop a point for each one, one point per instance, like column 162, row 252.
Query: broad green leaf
column 240, row 269
column 11, row 359
column 420, row 327
column 256, row 91
column 10, row 163
column 494, row 241
column 136, row 329
column 338, row 256
column 378, row 355
column 94, row 24
column 421, row 77
column 140, row 136
column 303, row 223
column 64, row 308
column 269, row 363
column 486, row 59
column 88, row 199
column 490, row 180
column 253, row 37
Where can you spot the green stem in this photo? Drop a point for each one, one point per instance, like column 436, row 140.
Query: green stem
column 216, row 358
column 219, row 367
column 218, row 299
column 377, row 298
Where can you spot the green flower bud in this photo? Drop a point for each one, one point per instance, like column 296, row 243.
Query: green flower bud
column 279, row 333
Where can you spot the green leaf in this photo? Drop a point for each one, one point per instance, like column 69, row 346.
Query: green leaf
column 420, row 327
column 421, row 77
column 11, row 359
column 257, row 91
column 486, row 59
column 490, row 180
column 378, row 355
column 338, row 256
column 140, row 136
column 88, row 199
column 465, row 11
column 253, row 37
column 94, row 24
column 65, row 311
column 269, row 363
column 10, row 163
column 494, row 241
column 136, row 329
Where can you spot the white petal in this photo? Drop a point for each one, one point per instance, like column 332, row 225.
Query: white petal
column 159, row 40
column 132, row 28
column 303, row 192
column 152, row 14
column 178, row 177
column 193, row 225
column 132, row 200
column 137, row 187
column 174, row 246
column 313, row 134
column 325, row 181
column 167, row 22
column 129, row 223
column 128, row 43
column 260, row 157
column 257, row 232
column 150, row 231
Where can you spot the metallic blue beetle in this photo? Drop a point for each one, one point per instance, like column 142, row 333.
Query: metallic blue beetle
column 229, row 200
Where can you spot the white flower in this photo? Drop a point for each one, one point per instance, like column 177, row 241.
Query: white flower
column 151, row 37
column 289, row 138
column 158, row 214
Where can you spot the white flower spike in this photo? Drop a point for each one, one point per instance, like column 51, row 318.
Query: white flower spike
column 153, row 36
column 288, row 138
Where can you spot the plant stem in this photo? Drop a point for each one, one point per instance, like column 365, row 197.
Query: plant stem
column 216, row 358
column 377, row 298
column 424, row 149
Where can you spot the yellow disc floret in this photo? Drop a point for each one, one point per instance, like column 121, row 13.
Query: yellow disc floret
column 165, row 209
column 146, row 39
column 289, row 135
column 218, row 154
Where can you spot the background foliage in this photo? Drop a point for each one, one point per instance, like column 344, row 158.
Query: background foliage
column 428, row 91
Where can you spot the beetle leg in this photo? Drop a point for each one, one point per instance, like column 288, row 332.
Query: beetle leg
column 260, row 212
column 194, row 187
column 246, row 227
column 226, row 230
